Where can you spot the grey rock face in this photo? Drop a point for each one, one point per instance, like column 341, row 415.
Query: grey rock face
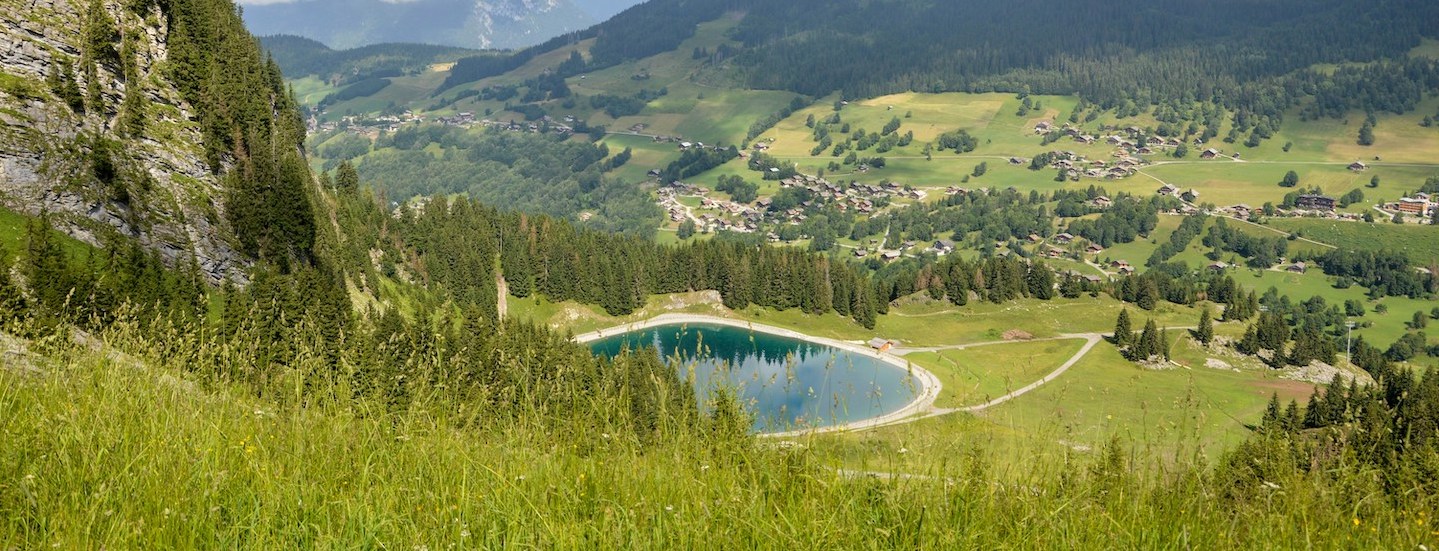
column 166, row 197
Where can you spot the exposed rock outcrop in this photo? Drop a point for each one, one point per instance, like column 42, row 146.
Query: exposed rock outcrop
column 80, row 162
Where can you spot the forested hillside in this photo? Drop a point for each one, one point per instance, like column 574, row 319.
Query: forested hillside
column 1110, row 53
column 299, row 57
column 156, row 120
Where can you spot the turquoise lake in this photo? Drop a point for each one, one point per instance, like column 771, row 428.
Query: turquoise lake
column 786, row 383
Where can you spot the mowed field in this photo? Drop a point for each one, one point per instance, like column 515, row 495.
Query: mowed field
column 976, row 375
column 1184, row 411
column 1419, row 241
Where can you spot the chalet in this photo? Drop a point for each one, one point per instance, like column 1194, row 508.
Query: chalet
column 1297, row 267
column 1094, row 248
column 1126, row 269
column 860, row 253
column 1044, row 127
column 686, row 145
column 881, row 345
column 764, row 203
column 942, row 246
column 1190, row 195
column 1114, row 140
column 1241, row 210
column 1016, row 161
column 890, row 255
column 1063, row 237
column 653, row 173
column 1209, row 153
column 1102, row 201
column 1034, row 238
column 1144, row 151
column 1315, row 202
column 1054, row 253
column 1358, row 166
column 1168, row 189
column 1218, row 266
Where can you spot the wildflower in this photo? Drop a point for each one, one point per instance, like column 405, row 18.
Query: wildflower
column 1356, row 521
column 670, row 508
column 464, row 533
column 904, row 450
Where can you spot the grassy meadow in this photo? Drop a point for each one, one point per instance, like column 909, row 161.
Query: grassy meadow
column 114, row 451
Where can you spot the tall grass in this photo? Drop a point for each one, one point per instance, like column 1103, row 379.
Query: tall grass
column 102, row 449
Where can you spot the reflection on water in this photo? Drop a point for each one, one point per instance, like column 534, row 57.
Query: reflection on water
column 785, row 382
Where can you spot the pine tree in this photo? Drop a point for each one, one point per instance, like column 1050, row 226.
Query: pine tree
column 1147, row 296
column 347, row 179
column 1291, row 417
column 1273, row 415
column 1205, row 333
column 1123, row 331
column 12, row 302
column 1149, row 344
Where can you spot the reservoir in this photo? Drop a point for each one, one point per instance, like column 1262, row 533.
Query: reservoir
column 786, row 383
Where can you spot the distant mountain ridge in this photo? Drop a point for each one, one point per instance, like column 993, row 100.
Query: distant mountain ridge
column 345, row 24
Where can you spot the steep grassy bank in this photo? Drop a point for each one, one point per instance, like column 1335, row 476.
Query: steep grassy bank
column 108, row 451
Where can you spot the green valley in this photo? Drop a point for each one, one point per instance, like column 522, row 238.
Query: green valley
column 1097, row 273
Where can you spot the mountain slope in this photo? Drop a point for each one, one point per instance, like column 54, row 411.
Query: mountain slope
column 160, row 122
column 1105, row 51
column 347, row 24
column 299, row 57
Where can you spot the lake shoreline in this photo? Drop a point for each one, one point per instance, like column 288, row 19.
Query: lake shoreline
column 923, row 402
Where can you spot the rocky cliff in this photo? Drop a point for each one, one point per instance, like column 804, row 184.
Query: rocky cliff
column 94, row 131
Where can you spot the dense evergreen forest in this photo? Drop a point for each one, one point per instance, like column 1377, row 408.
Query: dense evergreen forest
column 300, row 57
column 462, row 246
column 251, row 126
column 1244, row 59
column 538, row 173
column 304, row 320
